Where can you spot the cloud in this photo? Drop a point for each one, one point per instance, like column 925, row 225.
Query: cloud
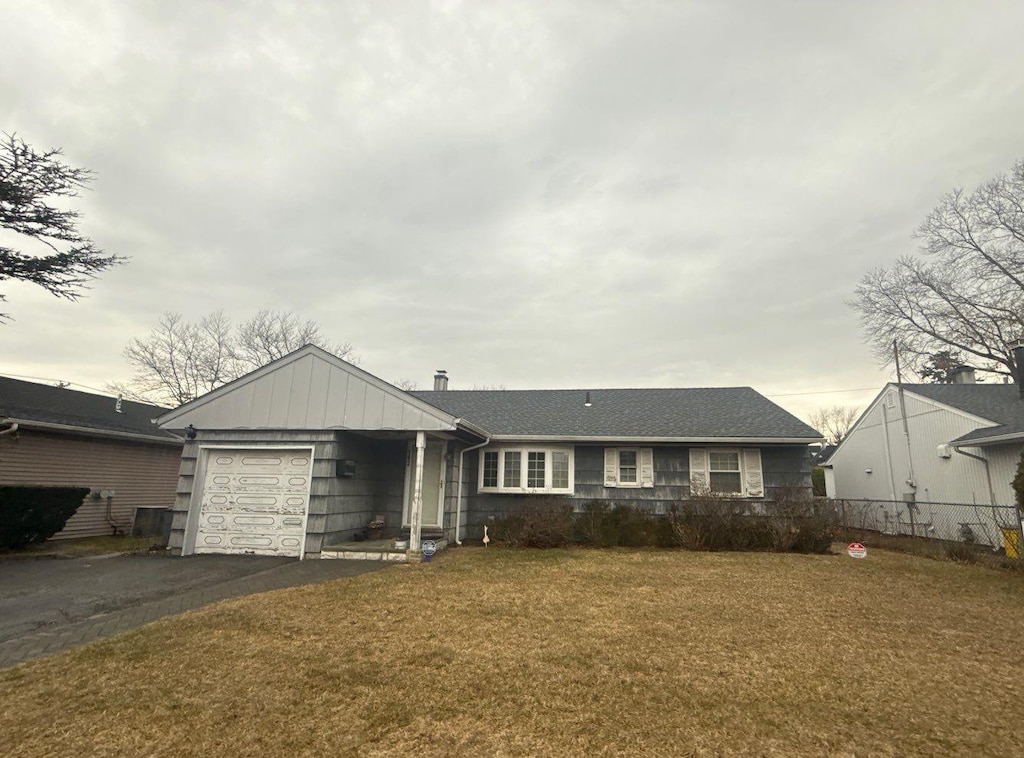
column 528, row 194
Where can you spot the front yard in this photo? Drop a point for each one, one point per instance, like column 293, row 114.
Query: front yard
column 499, row 652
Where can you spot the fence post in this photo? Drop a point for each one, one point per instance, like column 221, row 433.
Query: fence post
column 1020, row 533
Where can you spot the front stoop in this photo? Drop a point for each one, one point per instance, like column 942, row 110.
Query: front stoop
column 371, row 550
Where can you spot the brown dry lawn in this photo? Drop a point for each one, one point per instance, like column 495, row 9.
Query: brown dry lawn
column 578, row 652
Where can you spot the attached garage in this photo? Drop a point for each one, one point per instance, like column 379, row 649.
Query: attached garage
column 254, row 501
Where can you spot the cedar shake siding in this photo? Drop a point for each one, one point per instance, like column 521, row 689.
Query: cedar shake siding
column 783, row 466
column 141, row 474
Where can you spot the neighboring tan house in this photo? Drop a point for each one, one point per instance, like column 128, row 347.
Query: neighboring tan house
column 958, row 443
column 306, row 451
column 53, row 436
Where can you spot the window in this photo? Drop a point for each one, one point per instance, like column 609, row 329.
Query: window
column 724, row 471
column 730, row 471
column 490, row 469
column 513, row 472
column 629, row 467
column 559, row 470
column 535, row 469
column 526, row 469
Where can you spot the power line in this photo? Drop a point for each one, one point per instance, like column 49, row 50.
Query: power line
column 56, row 382
column 821, row 391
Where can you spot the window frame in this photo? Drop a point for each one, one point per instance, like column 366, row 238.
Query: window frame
column 523, row 487
column 739, row 471
column 618, row 467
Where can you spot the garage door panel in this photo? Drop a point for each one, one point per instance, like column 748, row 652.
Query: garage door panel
column 254, row 501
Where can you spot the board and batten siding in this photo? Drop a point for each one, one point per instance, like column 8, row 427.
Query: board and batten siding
column 878, row 445
column 141, row 475
column 338, row 506
column 783, row 466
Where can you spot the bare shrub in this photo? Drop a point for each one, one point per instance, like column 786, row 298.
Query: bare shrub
column 794, row 522
column 537, row 522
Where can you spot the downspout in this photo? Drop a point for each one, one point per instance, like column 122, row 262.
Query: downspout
column 888, row 454
column 988, row 473
column 12, row 429
column 458, row 495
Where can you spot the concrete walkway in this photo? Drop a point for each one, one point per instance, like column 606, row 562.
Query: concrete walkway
column 43, row 603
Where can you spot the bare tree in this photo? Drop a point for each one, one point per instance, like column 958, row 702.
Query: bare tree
column 29, row 184
column 408, row 385
column 180, row 360
column 965, row 292
column 270, row 335
column 834, row 422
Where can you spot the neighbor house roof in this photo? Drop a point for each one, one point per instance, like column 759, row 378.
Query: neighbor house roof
column 999, row 403
column 703, row 414
column 45, row 406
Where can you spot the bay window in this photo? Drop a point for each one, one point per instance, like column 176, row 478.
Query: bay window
column 526, row 469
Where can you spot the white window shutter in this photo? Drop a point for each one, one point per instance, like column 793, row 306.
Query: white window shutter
column 753, row 479
column 646, row 467
column 698, row 470
column 611, row 467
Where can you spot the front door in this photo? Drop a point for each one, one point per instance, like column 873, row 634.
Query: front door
column 433, row 484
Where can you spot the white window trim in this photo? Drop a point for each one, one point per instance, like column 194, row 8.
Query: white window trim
column 618, row 468
column 524, row 458
column 644, row 467
column 752, row 483
column 741, row 492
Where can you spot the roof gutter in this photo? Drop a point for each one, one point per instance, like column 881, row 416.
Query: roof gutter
column 691, row 440
column 994, row 440
column 458, row 495
column 92, row 432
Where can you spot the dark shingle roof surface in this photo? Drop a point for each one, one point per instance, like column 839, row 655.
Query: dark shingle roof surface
column 705, row 412
column 1000, row 403
column 29, row 401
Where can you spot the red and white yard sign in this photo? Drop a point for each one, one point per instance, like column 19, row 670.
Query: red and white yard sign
column 857, row 550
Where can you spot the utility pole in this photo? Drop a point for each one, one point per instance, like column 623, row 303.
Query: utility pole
column 911, row 481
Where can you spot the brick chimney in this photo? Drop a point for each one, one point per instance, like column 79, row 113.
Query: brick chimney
column 962, row 375
column 440, row 380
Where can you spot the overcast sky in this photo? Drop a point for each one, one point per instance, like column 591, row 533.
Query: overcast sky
column 532, row 195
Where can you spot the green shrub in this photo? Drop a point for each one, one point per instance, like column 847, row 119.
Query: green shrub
column 34, row 514
column 818, row 481
column 604, row 524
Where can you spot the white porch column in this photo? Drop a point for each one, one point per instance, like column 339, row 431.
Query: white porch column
column 416, row 507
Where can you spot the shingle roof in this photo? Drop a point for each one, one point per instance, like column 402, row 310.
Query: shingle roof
column 1000, row 403
column 28, row 401
column 736, row 412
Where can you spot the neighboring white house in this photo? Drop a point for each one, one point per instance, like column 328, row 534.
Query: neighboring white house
column 937, row 444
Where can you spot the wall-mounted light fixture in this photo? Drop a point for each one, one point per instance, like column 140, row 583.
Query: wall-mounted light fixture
column 345, row 468
column 190, row 432
column 587, row 403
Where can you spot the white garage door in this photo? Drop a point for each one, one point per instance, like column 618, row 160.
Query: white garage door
column 255, row 502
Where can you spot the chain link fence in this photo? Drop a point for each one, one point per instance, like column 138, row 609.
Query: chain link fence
column 935, row 526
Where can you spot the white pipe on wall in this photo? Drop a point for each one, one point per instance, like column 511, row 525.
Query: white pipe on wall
column 458, row 495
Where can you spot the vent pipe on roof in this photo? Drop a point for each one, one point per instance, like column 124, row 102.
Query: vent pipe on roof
column 440, row 380
column 117, row 405
column 1017, row 348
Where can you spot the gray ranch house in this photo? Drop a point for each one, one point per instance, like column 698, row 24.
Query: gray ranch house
column 307, row 451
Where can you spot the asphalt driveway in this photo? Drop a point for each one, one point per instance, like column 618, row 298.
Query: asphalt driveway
column 51, row 605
